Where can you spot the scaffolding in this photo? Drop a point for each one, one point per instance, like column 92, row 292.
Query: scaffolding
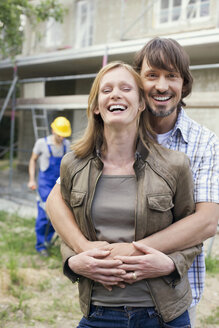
column 14, row 106
column 44, row 107
column 34, row 108
column 125, row 29
column 11, row 95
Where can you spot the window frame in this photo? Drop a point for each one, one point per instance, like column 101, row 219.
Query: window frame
column 84, row 34
column 170, row 22
column 53, row 33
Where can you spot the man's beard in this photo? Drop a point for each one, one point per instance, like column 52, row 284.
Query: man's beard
column 160, row 112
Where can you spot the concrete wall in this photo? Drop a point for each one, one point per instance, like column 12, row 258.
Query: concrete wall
column 206, row 117
column 203, row 105
column 111, row 20
column 35, row 38
column 79, row 123
column 26, row 135
column 206, row 80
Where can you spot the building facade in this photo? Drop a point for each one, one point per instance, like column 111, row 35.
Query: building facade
column 62, row 59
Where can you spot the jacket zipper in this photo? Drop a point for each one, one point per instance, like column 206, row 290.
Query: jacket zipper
column 94, row 235
column 146, row 280
column 89, row 299
column 89, row 207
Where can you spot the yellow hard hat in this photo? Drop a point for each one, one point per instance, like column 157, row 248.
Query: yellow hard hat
column 61, row 126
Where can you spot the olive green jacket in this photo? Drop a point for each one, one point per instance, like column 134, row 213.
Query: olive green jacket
column 164, row 195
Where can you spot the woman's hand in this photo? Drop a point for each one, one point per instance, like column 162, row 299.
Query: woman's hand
column 93, row 265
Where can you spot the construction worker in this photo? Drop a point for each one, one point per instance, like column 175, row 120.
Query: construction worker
column 49, row 151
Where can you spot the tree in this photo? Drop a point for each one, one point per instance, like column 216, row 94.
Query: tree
column 12, row 16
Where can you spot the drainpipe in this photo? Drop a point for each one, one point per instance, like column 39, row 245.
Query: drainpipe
column 12, row 130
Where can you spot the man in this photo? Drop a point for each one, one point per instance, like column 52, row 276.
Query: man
column 165, row 87
column 49, row 151
column 164, row 69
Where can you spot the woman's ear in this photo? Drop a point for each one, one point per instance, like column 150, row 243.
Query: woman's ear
column 96, row 111
column 142, row 106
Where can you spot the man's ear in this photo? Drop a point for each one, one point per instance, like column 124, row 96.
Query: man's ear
column 183, row 91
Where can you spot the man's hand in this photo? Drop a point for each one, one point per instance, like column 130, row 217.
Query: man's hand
column 88, row 245
column 93, row 265
column 32, row 184
column 150, row 265
column 123, row 249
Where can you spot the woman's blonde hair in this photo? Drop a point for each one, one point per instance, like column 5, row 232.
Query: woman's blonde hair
column 94, row 131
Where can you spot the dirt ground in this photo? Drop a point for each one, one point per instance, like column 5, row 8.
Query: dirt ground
column 50, row 299
column 56, row 305
column 210, row 298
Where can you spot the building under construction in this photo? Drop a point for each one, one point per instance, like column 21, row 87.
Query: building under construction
column 54, row 73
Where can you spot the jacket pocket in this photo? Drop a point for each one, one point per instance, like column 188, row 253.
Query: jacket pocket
column 159, row 214
column 161, row 203
column 77, row 202
column 77, row 198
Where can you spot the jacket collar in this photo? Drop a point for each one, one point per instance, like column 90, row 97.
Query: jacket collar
column 142, row 156
column 140, row 153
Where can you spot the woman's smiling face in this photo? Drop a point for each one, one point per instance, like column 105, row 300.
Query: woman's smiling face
column 118, row 98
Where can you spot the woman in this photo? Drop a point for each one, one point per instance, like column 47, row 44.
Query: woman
column 122, row 186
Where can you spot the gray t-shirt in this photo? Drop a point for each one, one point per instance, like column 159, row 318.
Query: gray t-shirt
column 41, row 148
column 113, row 214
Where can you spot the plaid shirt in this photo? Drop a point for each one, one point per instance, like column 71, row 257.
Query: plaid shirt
column 202, row 147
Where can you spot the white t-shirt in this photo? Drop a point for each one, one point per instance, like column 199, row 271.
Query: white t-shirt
column 41, row 149
column 163, row 138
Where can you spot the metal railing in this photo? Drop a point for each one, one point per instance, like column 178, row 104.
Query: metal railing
column 12, row 93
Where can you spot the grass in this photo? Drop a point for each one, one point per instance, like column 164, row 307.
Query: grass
column 212, row 319
column 33, row 290
column 20, row 240
column 212, row 265
column 4, row 163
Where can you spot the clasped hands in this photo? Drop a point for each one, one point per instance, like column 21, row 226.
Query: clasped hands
column 120, row 263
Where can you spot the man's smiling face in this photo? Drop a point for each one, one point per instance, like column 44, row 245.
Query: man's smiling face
column 163, row 89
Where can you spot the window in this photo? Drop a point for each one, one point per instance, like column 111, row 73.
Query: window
column 198, row 9
column 173, row 11
column 53, row 35
column 84, row 23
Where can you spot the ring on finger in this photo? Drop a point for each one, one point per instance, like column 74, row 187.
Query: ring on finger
column 134, row 277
